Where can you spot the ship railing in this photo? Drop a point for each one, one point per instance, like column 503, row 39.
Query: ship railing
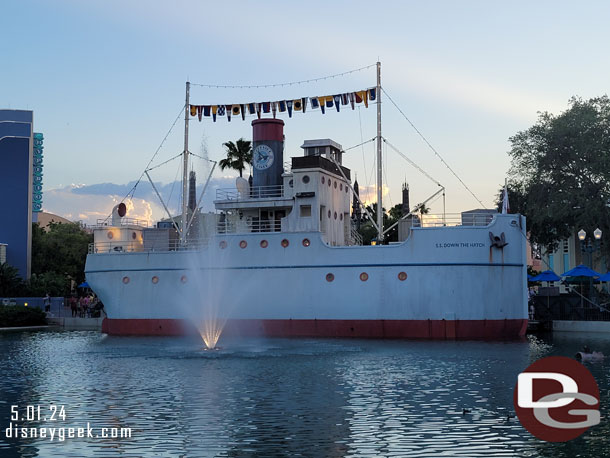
column 452, row 219
column 123, row 222
column 352, row 236
column 256, row 192
column 248, row 226
column 156, row 246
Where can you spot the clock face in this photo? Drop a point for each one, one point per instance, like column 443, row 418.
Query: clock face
column 262, row 157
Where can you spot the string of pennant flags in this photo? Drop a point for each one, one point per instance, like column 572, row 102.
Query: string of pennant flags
column 323, row 102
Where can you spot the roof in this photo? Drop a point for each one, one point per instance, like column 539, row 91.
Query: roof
column 321, row 142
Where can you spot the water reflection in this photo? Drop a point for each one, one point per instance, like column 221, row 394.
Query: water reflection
column 267, row 397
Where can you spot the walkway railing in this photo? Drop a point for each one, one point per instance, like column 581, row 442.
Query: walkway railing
column 452, row 219
column 257, row 192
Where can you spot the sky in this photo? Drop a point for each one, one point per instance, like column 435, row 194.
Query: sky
column 106, row 81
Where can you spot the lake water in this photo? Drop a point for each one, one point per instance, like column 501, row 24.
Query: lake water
column 278, row 397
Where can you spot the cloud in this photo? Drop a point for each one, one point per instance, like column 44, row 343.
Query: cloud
column 368, row 194
column 90, row 203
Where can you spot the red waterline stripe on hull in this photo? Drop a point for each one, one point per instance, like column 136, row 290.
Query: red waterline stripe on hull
column 378, row 329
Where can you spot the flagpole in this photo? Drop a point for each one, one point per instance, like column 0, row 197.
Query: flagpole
column 379, row 164
column 185, row 165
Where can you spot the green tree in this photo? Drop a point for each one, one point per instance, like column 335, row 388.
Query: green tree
column 58, row 256
column 560, row 172
column 10, row 281
column 239, row 155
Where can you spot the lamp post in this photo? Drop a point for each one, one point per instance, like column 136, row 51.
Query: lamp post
column 589, row 246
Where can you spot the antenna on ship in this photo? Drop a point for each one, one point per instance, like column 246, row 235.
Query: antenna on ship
column 185, row 165
column 379, row 165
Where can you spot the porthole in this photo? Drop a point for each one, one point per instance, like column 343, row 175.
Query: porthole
column 305, row 179
column 155, row 279
column 322, row 179
column 335, row 215
column 364, row 276
column 110, row 235
column 222, row 244
column 329, row 277
column 346, row 190
column 133, row 235
column 125, row 280
column 291, row 183
column 243, row 244
column 264, row 244
column 329, row 214
column 329, row 182
column 183, row 279
column 306, row 242
column 335, row 185
column 341, row 216
column 285, row 243
column 340, row 186
column 402, row 276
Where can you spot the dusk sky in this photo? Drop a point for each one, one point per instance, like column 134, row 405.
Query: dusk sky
column 106, row 81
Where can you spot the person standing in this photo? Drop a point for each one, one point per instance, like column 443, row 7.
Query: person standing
column 47, row 303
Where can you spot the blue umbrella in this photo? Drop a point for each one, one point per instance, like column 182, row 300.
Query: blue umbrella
column 605, row 277
column 580, row 274
column 547, row 275
column 84, row 285
column 581, row 271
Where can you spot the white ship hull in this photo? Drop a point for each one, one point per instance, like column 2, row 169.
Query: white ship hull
column 457, row 285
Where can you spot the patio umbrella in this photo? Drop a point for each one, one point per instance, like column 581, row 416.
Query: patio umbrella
column 580, row 274
column 605, row 277
column 581, row 271
column 547, row 275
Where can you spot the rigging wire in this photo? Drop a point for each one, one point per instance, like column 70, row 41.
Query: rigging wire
column 292, row 83
column 385, row 172
column 359, row 144
column 163, row 163
column 432, row 148
column 362, row 140
column 411, row 162
column 133, row 190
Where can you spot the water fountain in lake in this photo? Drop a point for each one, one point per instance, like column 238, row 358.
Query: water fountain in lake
column 210, row 328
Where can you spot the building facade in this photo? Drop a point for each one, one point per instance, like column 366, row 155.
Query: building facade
column 16, row 185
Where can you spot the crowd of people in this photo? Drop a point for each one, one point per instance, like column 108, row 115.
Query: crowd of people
column 85, row 306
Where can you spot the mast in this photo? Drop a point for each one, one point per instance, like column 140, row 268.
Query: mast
column 379, row 164
column 185, row 165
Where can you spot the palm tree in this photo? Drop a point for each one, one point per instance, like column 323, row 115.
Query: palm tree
column 239, row 155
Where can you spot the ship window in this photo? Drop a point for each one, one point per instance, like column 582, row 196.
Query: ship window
column 125, row 280
column 264, row 244
column 222, row 244
column 291, row 183
column 341, row 216
column 285, row 243
column 335, row 185
column 155, row 279
column 341, row 187
column 183, row 279
column 322, row 179
column 110, row 235
column 364, row 276
column 346, row 189
column 335, row 215
column 306, row 242
column 328, row 214
column 330, row 277
column 243, row 244
column 305, row 210
column 402, row 276
column 305, row 179
column 133, row 235
column 329, row 182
